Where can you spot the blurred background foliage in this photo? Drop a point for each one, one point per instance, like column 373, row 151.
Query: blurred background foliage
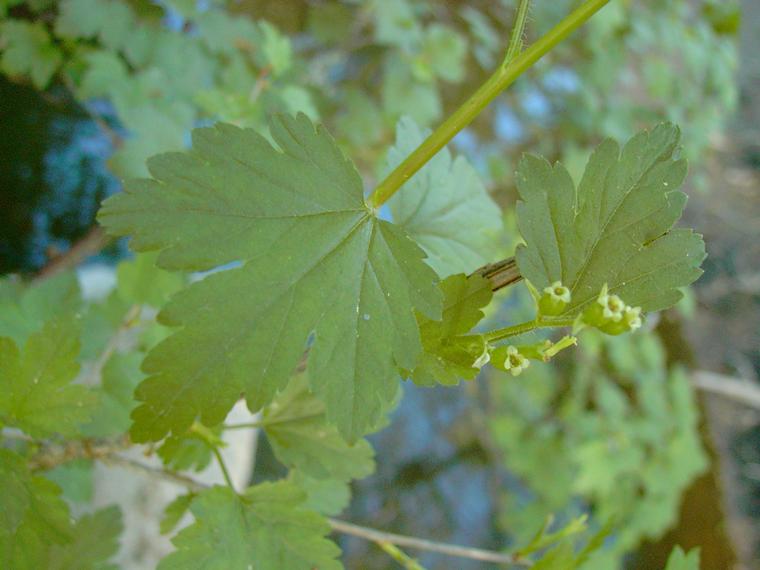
column 92, row 88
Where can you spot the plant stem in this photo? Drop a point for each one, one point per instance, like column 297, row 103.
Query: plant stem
column 428, row 545
column 522, row 328
column 264, row 423
column 500, row 80
column 400, row 556
column 338, row 525
column 516, row 39
column 223, row 466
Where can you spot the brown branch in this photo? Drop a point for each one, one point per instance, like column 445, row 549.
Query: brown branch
column 500, row 273
column 90, row 244
column 52, row 455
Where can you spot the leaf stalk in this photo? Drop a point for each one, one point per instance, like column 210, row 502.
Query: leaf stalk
column 516, row 39
column 494, row 85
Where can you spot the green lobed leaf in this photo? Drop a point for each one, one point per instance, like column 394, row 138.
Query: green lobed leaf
column 316, row 260
column 615, row 228
column 75, row 478
column 326, row 496
column 448, row 352
column 444, row 207
column 174, row 512
column 301, row 439
column 140, row 281
column 96, row 540
column 27, row 49
column 36, row 393
column 109, row 20
column 32, row 515
column 120, row 376
column 266, row 528
column 25, row 313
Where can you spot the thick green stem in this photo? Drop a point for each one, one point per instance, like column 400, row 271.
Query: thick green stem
column 471, row 108
column 518, row 30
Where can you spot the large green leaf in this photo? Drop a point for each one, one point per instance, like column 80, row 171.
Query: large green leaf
column 266, row 528
column 615, row 228
column 301, row 439
column 36, row 390
column 449, row 354
column 316, row 260
column 444, row 207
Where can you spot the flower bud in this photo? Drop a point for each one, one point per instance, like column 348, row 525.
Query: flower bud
column 554, row 299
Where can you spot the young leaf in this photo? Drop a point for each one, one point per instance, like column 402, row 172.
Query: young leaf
column 266, row 528
column 32, row 515
column 36, row 394
column 615, row 228
column 301, row 439
column 316, row 260
column 182, row 452
column 680, row 560
column 444, row 207
column 96, row 540
column 448, row 352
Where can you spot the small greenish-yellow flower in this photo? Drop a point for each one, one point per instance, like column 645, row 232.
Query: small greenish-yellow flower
column 554, row 299
column 630, row 322
column 514, row 362
column 632, row 318
column 612, row 306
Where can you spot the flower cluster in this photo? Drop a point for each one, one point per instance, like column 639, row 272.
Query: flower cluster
column 611, row 315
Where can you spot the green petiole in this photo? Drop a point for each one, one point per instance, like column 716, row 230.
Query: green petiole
column 500, row 80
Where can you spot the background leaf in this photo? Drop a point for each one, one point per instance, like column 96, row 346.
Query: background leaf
column 301, row 438
column 267, row 528
column 36, row 390
column 444, row 207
